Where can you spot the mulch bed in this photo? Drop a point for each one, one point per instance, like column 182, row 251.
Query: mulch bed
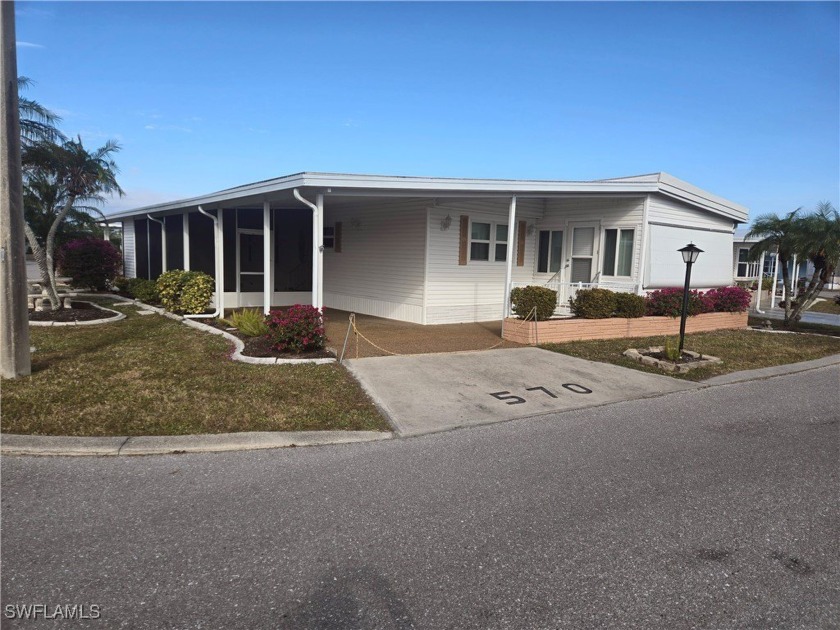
column 261, row 346
column 78, row 312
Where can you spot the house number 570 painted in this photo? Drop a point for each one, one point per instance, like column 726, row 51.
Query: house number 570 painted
column 512, row 399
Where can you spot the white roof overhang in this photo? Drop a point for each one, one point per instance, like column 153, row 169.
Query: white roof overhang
column 279, row 190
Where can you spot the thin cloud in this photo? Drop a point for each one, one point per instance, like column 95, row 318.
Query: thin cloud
column 28, row 45
column 168, row 128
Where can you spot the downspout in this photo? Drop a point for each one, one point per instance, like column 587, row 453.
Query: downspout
column 162, row 241
column 219, row 268
column 317, row 245
column 185, row 222
column 267, row 266
column 760, row 282
column 644, row 246
column 509, row 262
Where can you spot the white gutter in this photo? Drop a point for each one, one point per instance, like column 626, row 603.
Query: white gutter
column 219, row 254
column 644, row 246
column 509, row 257
column 186, row 227
column 317, row 246
column 162, row 240
column 267, row 266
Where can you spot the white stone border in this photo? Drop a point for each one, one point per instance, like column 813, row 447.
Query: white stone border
column 93, row 322
column 236, row 341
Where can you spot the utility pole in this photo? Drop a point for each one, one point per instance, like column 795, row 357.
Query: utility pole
column 14, row 319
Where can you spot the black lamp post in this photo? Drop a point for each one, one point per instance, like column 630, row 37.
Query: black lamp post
column 690, row 253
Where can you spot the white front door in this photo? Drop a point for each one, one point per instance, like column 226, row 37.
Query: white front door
column 581, row 255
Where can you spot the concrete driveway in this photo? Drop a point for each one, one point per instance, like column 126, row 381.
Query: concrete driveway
column 437, row 392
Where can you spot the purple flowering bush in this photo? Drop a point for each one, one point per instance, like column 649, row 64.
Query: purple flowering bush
column 299, row 328
column 90, row 263
column 730, row 299
column 668, row 302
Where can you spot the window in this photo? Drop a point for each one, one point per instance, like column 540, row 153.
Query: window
column 329, row 237
column 618, row 252
column 746, row 269
column 481, row 243
column 769, row 265
column 549, row 251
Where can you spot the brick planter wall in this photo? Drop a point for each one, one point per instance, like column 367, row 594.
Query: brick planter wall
column 574, row 329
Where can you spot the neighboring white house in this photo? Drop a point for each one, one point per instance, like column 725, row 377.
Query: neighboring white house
column 433, row 250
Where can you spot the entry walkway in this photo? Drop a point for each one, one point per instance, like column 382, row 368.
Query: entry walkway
column 437, row 392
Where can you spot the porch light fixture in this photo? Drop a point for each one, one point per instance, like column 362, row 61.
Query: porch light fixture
column 690, row 254
column 445, row 223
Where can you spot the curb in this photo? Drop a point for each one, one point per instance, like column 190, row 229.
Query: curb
column 769, row 372
column 51, row 445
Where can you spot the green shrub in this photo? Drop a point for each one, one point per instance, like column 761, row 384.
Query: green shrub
column 185, row 291
column 630, row 305
column 524, row 299
column 671, row 350
column 197, row 293
column 120, row 285
column 250, row 322
column 143, row 290
column 668, row 302
column 593, row 303
column 299, row 328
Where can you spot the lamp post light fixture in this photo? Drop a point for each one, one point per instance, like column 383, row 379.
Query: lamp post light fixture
column 690, row 253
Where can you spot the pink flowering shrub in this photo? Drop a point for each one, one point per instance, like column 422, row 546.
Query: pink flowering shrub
column 668, row 302
column 299, row 328
column 729, row 299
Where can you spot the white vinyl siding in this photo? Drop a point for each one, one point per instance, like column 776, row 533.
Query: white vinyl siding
column 667, row 269
column 129, row 250
column 623, row 213
column 473, row 292
column 668, row 211
column 380, row 269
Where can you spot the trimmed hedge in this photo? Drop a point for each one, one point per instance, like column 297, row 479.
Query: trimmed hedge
column 524, row 299
column 630, row 305
column 602, row 303
column 593, row 303
column 185, row 291
column 143, row 290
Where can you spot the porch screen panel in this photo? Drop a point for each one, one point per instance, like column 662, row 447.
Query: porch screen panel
column 142, row 248
column 292, row 250
column 229, row 236
column 155, row 249
column 175, row 241
column 202, row 244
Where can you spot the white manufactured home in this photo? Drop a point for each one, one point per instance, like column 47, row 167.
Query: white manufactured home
column 433, row 250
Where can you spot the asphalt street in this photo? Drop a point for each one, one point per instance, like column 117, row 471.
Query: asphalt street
column 711, row 508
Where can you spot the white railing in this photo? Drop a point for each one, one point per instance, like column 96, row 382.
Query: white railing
column 567, row 290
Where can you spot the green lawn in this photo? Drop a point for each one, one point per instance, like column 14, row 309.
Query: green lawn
column 150, row 375
column 826, row 306
column 739, row 349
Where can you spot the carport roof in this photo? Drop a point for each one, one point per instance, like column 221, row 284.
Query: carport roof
column 342, row 184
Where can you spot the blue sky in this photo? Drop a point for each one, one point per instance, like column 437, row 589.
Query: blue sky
column 742, row 99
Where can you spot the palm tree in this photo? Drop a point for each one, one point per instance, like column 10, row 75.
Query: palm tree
column 37, row 123
column 777, row 234
column 818, row 240
column 66, row 175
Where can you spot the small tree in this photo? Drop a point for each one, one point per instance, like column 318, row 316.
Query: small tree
column 777, row 234
column 77, row 176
